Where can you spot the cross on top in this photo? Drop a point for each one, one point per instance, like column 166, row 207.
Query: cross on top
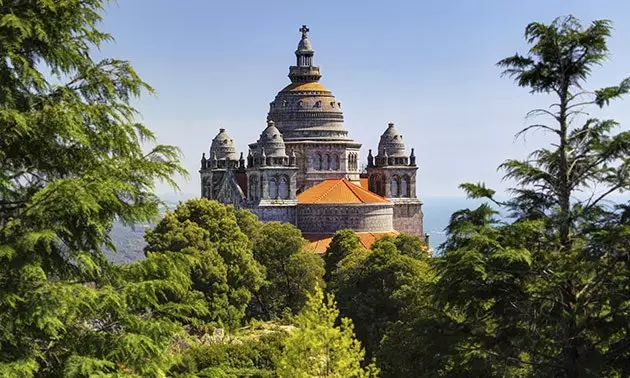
column 304, row 30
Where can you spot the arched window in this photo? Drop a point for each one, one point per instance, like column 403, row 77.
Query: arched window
column 335, row 164
column 253, row 185
column 371, row 186
column 394, row 187
column 404, row 186
column 273, row 188
column 352, row 161
column 283, row 187
column 327, row 163
column 318, row 162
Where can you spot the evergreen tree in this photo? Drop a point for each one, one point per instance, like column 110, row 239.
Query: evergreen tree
column 292, row 273
column 373, row 288
column 343, row 243
column 72, row 159
column 546, row 295
column 318, row 348
column 227, row 273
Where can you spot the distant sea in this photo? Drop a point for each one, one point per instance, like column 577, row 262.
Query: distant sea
column 437, row 213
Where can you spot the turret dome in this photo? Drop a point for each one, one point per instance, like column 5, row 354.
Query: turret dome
column 223, row 146
column 391, row 143
column 271, row 142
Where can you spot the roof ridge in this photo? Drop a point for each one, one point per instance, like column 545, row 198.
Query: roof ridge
column 321, row 196
column 358, row 189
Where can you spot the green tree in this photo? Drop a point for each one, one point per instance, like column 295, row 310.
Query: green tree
column 547, row 295
column 343, row 243
column 72, row 159
column 292, row 272
column 373, row 288
column 248, row 223
column 405, row 244
column 227, row 274
column 318, row 348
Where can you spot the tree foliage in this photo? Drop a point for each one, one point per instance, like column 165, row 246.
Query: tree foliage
column 545, row 294
column 319, row 348
column 373, row 287
column 227, row 273
column 72, row 159
column 292, row 273
column 343, row 243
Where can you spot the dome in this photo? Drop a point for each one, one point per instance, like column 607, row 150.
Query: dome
column 305, row 45
column 271, row 141
column 305, row 109
column 391, row 143
column 223, row 147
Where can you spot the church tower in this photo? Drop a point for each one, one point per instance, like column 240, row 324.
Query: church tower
column 392, row 174
column 221, row 172
column 311, row 122
column 271, row 177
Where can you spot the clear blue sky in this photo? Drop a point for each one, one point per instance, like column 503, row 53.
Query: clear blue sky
column 428, row 66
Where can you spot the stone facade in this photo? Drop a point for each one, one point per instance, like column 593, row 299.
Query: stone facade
column 329, row 218
column 408, row 216
column 305, row 142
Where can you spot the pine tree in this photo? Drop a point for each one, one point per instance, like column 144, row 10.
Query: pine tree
column 73, row 158
column 291, row 271
column 318, row 348
column 546, row 293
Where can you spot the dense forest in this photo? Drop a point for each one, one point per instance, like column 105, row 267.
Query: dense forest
column 543, row 293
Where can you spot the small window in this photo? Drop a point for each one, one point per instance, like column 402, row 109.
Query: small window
column 273, row 189
column 404, row 186
column 283, row 187
column 394, row 187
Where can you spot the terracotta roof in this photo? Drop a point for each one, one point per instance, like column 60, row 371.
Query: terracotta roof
column 339, row 191
column 311, row 86
column 318, row 243
column 364, row 183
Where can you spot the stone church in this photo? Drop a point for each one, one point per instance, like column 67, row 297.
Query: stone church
column 304, row 168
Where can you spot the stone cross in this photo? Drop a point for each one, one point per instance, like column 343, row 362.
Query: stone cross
column 304, row 30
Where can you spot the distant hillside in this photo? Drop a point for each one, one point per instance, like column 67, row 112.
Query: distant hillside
column 129, row 241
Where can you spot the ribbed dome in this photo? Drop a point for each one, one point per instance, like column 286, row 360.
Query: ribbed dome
column 305, row 45
column 223, row 146
column 391, row 143
column 271, row 141
column 305, row 109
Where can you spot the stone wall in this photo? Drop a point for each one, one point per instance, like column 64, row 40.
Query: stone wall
column 408, row 217
column 275, row 212
column 329, row 218
column 310, row 173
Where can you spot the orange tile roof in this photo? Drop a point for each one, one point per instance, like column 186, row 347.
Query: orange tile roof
column 304, row 87
column 339, row 191
column 319, row 243
column 364, row 183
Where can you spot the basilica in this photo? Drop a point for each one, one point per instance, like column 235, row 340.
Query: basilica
column 304, row 168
